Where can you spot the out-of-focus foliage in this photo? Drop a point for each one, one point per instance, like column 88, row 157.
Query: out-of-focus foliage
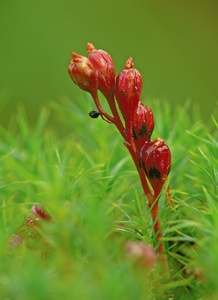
column 87, row 183
column 174, row 45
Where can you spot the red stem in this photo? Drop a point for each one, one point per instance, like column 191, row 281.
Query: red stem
column 100, row 109
column 152, row 198
column 117, row 120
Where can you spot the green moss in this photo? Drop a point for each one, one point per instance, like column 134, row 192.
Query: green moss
column 86, row 181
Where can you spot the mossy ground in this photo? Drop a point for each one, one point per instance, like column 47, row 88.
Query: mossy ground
column 79, row 171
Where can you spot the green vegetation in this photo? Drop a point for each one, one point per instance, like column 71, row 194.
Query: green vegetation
column 85, row 179
column 173, row 44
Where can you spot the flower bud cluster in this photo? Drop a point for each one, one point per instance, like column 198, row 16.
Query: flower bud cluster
column 92, row 73
column 97, row 73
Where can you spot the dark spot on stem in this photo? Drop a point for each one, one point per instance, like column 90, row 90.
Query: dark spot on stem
column 143, row 130
column 141, row 164
column 154, row 173
column 134, row 134
column 123, row 92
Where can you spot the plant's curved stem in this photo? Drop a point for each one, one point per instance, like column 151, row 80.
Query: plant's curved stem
column 152, row 204
column 117, row 120
column 94, row 95
column 152, row 198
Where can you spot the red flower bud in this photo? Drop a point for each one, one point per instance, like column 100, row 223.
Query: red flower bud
column 128, row 88
column 104, row 67
column 40, row 213
column 143, row 124
column 144, row 254
column 83, row 73
column 156, row 161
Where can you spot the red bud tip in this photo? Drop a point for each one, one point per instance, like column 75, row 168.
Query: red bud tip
column 75, row 56
column 104, row 68
column 90, row 48
column 82, row 72
column 129, row 63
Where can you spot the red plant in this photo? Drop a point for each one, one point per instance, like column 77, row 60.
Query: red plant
column 30, row 233
column 152, row 158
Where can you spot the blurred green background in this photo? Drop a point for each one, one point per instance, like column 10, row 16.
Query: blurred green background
column 174, row 45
